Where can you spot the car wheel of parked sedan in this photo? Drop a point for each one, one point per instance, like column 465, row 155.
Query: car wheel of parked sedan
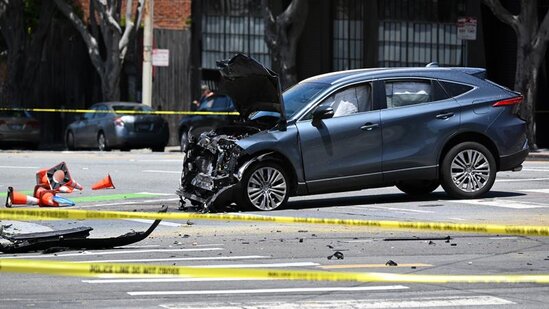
column 158, row 149
column 70, row 141
column 468, row 170
column 418, row 187
column 102, row 144
column 264, row 186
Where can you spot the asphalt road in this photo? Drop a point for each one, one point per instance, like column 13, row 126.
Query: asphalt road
column 144, row 181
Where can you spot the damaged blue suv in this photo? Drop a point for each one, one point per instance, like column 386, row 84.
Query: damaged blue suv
column 414, row 128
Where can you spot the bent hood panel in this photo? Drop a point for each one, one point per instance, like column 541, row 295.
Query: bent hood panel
column 252, row 86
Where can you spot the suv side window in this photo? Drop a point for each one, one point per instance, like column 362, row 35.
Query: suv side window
column 348, row 101
column 454, row 89
column 410, row 92
column 102, row 111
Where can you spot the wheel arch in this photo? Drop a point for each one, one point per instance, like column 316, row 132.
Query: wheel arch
column 471, row 137
column 272, row 155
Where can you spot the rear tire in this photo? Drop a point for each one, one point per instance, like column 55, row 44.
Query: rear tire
column 418, row 187
column 102, row 143
column 468, row 170
column 265, row 186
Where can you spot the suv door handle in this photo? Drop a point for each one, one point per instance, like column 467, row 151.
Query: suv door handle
column 369, row 126
column 445, row 115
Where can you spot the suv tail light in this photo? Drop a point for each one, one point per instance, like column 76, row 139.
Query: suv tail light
column 118, row 122
column 511, row 101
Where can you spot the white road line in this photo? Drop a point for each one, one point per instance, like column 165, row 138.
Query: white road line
column 160, row 160
column 21, row 167
column 122, row 251
column 522, row 179
column 536, row 190
column 415, row 302
column 536, row 169
column 165, row 223
column 161, row 171
column 267, row 291
column 392, row 208
column 275, row 265
column 164, row 280
column 132, row 202
column 207, row 258
column 158, row 194
column 503, row 238
column 457, row 219
column 502, row 204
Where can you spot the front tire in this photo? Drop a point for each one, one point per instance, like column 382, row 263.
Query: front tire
column 265, row 186
column 69, row 141
column 184, row 141
column 468, row 171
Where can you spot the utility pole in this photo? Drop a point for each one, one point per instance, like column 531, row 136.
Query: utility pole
column 147, row 53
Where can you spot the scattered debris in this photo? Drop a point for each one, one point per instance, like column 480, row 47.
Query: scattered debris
column 447, row 238
column 338, row 255
column 432, row 242
column 190, row 222
column 301, row 240
column 453, row 245
column 70, row 239
column 391, row 263
column 302, row 231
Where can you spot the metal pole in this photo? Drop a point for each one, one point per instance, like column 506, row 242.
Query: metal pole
column 147, row 53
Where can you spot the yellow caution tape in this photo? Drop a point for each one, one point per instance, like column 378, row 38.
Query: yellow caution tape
column 61, row 110
column 76, row 214
column 132, row 270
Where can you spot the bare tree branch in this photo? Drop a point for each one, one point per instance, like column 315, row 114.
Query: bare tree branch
column 107, row 13
column 503, row 14
column 130, row 25
column 91, row 43
column 543, row 32
column 270, row 25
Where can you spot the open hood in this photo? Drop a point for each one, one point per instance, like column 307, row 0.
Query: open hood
column 251, row 86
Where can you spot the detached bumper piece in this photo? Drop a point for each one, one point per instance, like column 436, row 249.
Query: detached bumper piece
column 70, row 239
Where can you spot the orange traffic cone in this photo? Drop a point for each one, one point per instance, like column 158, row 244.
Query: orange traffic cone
column 105, row 183
column 16, row 198
column 42, row 177
column 74, row 185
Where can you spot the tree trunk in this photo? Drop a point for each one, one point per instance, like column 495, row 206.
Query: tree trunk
column 281, row 36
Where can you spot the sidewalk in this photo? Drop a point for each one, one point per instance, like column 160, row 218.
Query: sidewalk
column 538, row 155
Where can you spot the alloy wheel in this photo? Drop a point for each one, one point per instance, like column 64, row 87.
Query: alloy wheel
column 470, row 170
column 267, row 188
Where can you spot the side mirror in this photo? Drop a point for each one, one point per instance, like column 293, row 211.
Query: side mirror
column 322, row 112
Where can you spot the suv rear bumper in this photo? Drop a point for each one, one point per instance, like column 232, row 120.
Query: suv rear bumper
column 509, row 162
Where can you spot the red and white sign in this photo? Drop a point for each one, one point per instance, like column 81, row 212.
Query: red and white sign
column 161, row 57
column 467, row 28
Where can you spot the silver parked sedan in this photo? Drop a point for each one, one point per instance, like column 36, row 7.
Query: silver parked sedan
column 119, row 125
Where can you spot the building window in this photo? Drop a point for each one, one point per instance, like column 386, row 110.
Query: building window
column 414, row 33
column 230, row 27
column 348, row 35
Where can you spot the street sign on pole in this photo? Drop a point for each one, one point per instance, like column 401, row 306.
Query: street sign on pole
column 467, row 28
column 161, row 57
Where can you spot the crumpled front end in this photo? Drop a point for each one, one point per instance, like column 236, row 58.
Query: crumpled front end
column 210, row 168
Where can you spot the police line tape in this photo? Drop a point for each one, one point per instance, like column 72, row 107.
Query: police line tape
column 78, row 214
column 112, row 270
column 61, row 110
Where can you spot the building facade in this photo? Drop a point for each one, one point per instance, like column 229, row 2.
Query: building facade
column 350, row 34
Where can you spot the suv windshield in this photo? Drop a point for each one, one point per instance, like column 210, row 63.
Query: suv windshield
column 299, row 95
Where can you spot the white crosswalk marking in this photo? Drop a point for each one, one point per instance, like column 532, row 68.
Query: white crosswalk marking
column 501, row 203
column 418, row 302
column 270, row 291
